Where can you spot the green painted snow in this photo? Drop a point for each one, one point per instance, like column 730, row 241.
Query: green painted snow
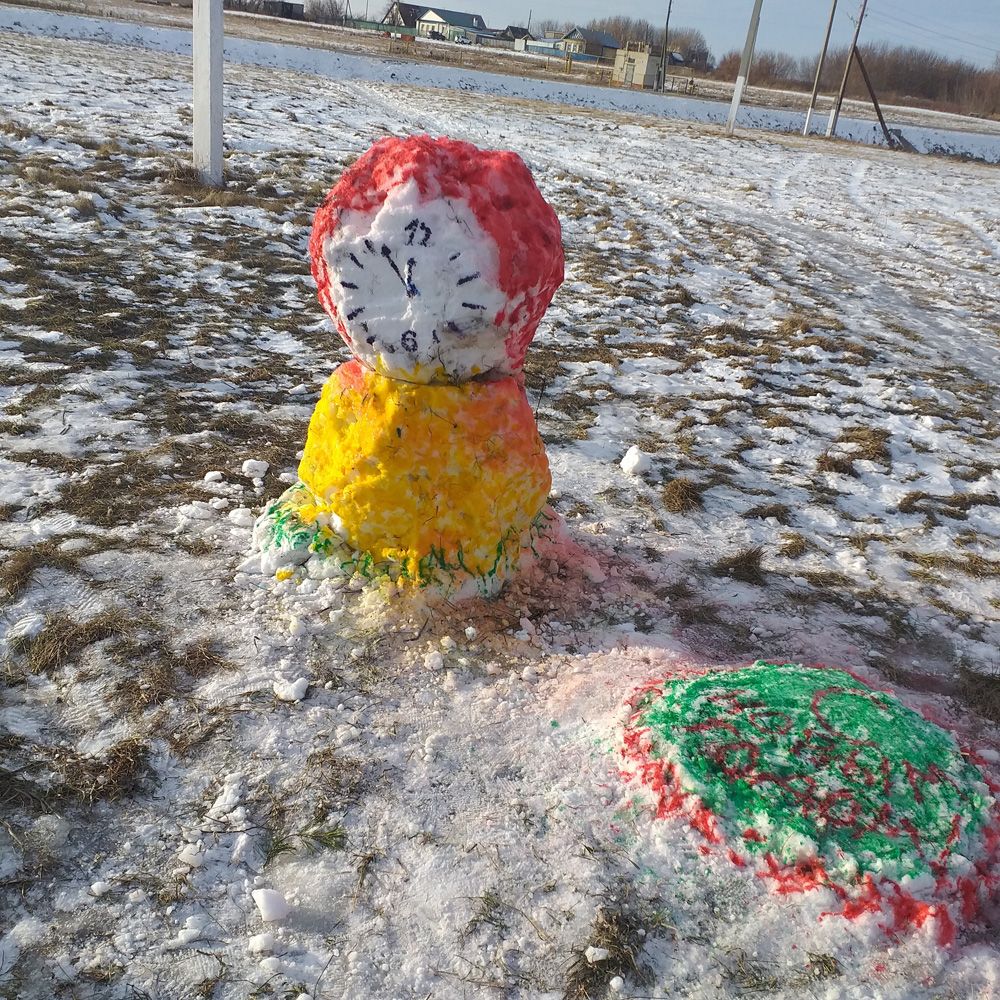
column 796, row 761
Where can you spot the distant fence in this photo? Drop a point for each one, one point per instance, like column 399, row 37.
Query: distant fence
column 389, row 29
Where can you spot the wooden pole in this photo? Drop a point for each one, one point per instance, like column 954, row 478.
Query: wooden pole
column 871, row 94
column 206, row 45
column 831, row 125
column 664, row 58
column 741, row 80
column 819, row 68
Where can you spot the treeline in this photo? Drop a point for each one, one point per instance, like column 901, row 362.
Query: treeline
column 321, row 11
column 898, row 73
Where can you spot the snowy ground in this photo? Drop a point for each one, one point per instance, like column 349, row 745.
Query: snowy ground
column 254, row 45
column 802, row 337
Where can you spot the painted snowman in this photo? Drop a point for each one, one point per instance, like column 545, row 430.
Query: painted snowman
column 423, row 465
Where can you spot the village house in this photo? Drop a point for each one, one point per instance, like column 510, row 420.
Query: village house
column 584, row 41
column 403, row 15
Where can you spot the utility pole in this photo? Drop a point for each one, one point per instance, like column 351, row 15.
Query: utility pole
column 819, row 68
column 831, row 125
column 741, row 80
column 890, row 142
column 206, row 48
column 664, row 60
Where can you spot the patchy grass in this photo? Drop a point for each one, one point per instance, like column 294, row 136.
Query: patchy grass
column 54, row 775
column 870, row 443
column 793, row 545
column 62, row 638
column 752, row 976
column 830, row 462
column 779, row 511
column 981, row 691
column 618, row 930
column 971, row 563
column 681, row 495
column 17, row 568
column 744, row 565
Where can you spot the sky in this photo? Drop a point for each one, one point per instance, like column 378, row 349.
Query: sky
column 966, row 29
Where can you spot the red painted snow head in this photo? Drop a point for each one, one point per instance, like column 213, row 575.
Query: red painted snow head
column 436, row 260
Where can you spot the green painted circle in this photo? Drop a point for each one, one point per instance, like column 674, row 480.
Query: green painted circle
column 807, row 762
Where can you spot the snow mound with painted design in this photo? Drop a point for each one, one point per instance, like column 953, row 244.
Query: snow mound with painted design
column 423, row 464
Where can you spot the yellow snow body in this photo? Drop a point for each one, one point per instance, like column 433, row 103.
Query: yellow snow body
column 430, row 478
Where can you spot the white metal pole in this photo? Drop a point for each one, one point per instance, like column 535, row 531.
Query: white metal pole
column 819, row 68
column 741, row 80
column 206, row 38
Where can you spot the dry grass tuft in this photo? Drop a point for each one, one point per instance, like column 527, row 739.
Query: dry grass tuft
column 779, row 511
column 973, row 564
column 16, row 569
column 843, row 464
column 202, row 659
column 752, row 976
column 62, row 638
column 618, row 932
column 681, row 495
column 871, row 443
column 745, row 565
column 981, row 691
column 793, row 545
column 54, row 775
column 85, row 206
column 793, row 325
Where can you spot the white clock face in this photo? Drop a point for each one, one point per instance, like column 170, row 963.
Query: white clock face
column 415, row 285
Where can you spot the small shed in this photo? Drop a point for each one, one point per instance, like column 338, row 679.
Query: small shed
column 638, row 66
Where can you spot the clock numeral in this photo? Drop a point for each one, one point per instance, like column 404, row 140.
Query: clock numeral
column 473, row 305
column 355, row 312
column 409, row 341
column 468, row 278
column 356, row 261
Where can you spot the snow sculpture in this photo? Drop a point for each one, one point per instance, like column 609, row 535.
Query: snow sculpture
column 820, row 782
column 436, row 261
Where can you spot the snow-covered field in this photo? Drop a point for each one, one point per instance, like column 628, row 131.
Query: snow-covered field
column 800, row 338
column 945, row 135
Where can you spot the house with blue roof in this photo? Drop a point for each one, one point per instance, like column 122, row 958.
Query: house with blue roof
column 584, row 41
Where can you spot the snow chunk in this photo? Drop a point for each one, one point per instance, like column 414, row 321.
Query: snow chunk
column 190, row 855
column 635, row 461
column 291, row 690
column 272, row 905
column 100, row 888
column 242, row 517
column 26, row 628
column 595, row 955
column 258, row 944
column 213, row 477
column 255, row 468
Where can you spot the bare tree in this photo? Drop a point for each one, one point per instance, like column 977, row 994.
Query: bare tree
column 324, row 11
column 898, row 73
column 691, row 44
column 548, row 24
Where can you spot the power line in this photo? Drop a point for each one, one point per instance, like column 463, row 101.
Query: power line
column 904, row 13
column 932, row 32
